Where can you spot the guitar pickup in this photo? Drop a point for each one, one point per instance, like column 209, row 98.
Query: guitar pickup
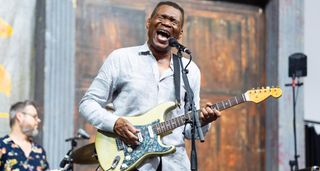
column 119, row 144
column 140, row 137
column 150, row 130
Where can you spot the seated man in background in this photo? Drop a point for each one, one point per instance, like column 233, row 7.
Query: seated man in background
column 17, row 150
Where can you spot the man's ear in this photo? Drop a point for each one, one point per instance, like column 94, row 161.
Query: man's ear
column 148, row 23
column 180, row 34
column 19, row 116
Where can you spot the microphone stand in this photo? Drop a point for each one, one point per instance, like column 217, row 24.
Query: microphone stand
column 294, row 164
column 67, row 161
column 190, row 106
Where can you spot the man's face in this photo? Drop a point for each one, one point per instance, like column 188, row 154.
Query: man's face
column 164, row 24
column 30, row 121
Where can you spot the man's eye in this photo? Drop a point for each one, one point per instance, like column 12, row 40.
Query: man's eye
column 175, row 22
column 161, row 17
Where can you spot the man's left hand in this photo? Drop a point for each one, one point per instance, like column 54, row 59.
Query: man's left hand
column 208, row 114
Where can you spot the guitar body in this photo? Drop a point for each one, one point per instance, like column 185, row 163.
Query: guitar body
column 115, row 155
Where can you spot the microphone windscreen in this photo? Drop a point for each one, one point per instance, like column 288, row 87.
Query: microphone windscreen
column 172, row 42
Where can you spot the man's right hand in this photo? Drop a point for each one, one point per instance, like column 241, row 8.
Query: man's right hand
column 126, row 131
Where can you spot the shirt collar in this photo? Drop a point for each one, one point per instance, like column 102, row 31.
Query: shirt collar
column 145, row 50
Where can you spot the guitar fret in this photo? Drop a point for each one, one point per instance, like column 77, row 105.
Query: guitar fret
column 226, row 104
column 230, row 104
column 174, row 123
column 236, row 100
column 163, row 128
column 170, row 125
column 243, row 98
column 223, row 105
column 167, row 125
column 216, row 106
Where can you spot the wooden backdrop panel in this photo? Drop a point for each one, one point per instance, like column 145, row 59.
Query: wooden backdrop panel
column 227, row 44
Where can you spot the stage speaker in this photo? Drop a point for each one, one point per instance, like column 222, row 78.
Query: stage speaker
column 297, row 65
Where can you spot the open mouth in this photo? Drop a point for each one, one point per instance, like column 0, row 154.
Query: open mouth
column 163, row 35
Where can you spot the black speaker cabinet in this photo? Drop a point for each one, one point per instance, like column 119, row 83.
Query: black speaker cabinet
column 297, row 65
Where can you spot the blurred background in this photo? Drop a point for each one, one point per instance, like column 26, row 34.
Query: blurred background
column 50, row 51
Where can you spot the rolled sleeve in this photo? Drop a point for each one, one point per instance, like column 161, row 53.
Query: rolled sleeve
column 92, row 105
column 97, row 116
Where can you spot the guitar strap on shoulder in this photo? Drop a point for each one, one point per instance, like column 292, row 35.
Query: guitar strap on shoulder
column 176, row 78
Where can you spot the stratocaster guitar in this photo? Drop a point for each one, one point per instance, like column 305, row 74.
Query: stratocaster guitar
column 114, row 154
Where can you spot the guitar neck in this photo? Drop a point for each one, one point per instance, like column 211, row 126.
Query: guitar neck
column 171, row 124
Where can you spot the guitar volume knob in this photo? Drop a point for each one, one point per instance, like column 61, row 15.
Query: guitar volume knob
column 129, row 149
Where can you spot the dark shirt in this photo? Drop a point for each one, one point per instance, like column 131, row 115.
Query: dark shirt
column 13, row 158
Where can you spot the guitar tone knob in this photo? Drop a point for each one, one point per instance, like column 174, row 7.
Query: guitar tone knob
column 128, row 158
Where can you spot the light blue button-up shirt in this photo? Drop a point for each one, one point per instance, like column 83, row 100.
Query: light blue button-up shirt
column 131, row 81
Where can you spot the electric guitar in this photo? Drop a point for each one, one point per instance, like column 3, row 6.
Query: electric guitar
column 114, row 154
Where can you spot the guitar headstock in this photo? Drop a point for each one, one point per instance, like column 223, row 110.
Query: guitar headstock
column 260, row 94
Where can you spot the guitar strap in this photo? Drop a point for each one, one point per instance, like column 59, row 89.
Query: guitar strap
column 176, row 78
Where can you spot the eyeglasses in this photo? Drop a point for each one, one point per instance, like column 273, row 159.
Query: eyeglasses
column 35, row 116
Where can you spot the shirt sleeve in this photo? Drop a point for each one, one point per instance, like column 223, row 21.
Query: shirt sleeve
column 92, row 105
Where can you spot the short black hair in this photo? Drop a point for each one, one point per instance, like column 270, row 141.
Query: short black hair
column 19, row 107
column 172, row 4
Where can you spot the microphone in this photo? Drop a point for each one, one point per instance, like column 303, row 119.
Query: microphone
column 83, row 134
column 174, row 43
